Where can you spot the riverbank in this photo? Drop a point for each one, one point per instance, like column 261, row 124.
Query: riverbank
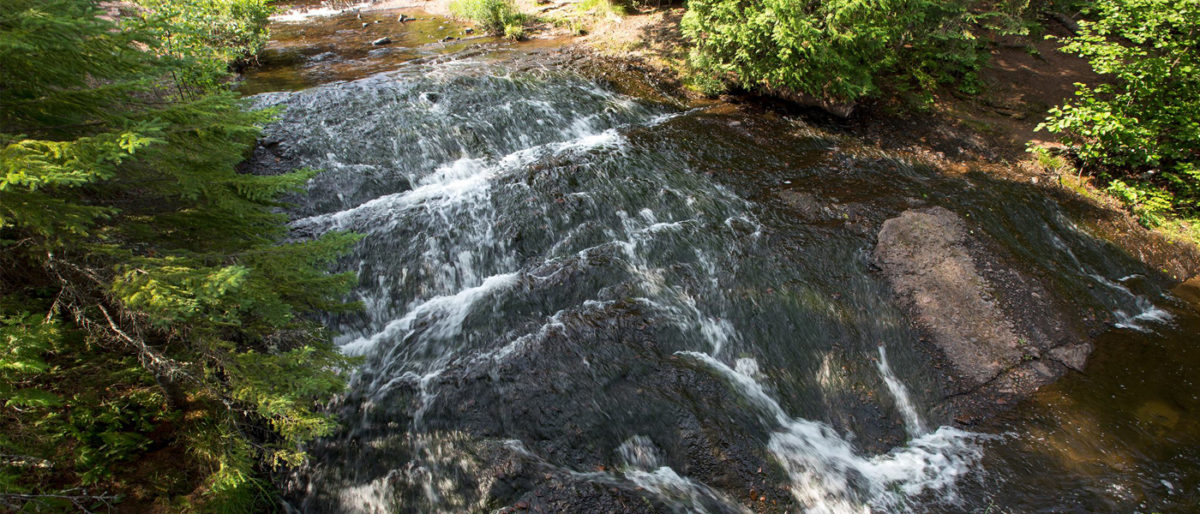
column 990, row 133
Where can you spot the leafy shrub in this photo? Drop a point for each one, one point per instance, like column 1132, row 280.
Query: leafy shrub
column 839, row 50
column 514, row 31
column 207, row 35
column 499, row 17
column 1142, row 127
column 602, row 7
column 1149, row 204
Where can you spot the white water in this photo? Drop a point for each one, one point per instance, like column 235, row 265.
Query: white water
column 453, row 196
column 437, row 257
column 643, row 466
column 447, row 311
column 1144, row 309
column 829, row 475
column 904, row 403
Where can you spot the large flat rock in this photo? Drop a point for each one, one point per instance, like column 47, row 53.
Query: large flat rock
column 999, row 328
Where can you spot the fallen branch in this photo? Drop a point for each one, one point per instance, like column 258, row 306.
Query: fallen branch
column 81, row 501
column 1066, row 21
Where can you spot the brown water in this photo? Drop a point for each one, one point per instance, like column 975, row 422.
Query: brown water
column 581, row 300
column 1123, row 436
column 320, row 49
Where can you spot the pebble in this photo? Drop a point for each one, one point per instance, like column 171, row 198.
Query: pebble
column 382, row 41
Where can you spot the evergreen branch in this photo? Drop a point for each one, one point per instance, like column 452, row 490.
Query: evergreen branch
column 161, row 366
column 164, row 369
column 56, row 128
column 54, row 306
column 169, row 367
column 85, row 91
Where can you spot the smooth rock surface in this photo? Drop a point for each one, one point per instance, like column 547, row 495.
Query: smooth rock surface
column 999, row 328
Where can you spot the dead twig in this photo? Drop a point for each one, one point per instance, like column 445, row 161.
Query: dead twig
column 79, row 498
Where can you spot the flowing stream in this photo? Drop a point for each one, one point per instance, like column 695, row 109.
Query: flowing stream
column 579, row 300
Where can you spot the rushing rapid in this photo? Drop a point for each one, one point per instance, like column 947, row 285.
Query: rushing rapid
column 582, row 301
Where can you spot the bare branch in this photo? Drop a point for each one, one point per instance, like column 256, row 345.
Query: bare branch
column 153, row 360
column 79, row 498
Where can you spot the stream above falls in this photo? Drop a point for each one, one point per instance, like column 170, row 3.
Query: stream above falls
column 576, row 299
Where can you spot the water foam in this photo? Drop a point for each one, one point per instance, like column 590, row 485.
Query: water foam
column 1145, row 309
column 642, row 466
column 829, row 475
column 449, row 311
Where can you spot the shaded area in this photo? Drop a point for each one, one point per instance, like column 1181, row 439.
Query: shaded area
column 1122, row 436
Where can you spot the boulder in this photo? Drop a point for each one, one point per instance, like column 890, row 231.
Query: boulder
column 1189, row 291
column 1001, row 330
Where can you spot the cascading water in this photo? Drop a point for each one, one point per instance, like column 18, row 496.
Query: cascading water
column 563, row 306
column 912, row 420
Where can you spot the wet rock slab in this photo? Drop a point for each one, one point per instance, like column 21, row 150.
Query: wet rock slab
column 1001, row 330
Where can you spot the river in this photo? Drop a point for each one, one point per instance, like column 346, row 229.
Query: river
column 576, row 299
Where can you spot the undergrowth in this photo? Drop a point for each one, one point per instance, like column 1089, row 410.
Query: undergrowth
column 499, row 17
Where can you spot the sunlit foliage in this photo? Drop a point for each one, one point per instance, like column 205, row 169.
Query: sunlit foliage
column 148, row 300
column 840, row 50
column 1140, row 127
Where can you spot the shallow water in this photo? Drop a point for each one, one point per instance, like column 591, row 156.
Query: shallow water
column 1121, row 437
column 580, row 300
column 316, row 44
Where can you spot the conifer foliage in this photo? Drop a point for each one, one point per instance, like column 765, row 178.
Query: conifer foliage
column 148, row 300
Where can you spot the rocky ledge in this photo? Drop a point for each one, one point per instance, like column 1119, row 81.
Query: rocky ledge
column 999, row 330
